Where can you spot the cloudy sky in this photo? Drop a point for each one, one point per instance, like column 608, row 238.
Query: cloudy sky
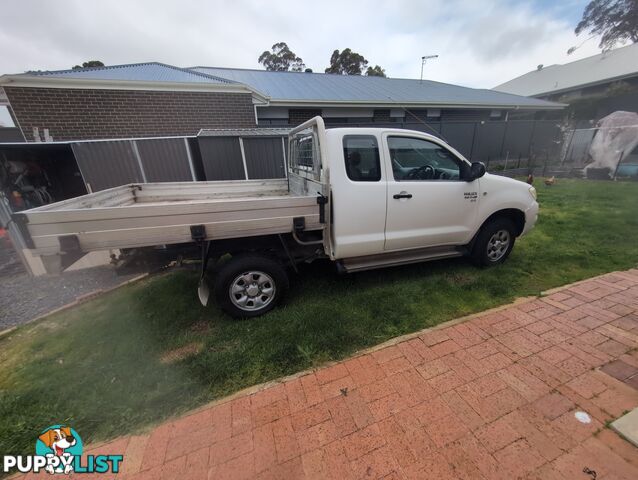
column 480, row 43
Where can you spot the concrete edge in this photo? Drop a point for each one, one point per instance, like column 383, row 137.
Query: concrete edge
column 619, row 426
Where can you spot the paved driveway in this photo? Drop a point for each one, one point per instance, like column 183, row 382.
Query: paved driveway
column 491, row 397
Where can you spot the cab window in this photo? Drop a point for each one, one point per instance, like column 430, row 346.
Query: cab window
column 361, row 154
column 415, row 159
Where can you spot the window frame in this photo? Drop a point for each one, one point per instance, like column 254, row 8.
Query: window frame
column 378, row 159
column 312, row 167
column 463, row 164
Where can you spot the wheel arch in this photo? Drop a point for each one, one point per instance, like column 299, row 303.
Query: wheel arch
column 514, row 214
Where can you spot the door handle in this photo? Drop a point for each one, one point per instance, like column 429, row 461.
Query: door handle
column 402, row 195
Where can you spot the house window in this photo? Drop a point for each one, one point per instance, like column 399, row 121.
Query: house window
column 274, row 121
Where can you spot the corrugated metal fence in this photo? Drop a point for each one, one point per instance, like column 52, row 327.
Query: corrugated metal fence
column 231, row 156
column 493, row 142
column 106, row 164
column 260, row 153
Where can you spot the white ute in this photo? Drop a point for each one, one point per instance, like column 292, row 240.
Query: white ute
column 362, row 197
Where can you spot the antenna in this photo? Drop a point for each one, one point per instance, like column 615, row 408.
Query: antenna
column 424, row 59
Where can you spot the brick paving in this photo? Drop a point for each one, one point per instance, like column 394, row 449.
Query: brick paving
column 491, row 397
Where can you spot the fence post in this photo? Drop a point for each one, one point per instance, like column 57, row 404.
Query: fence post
column 618, row 164
column 518, row 164
column 473, row 140
column 504, row 138
column 591, row 140
column 487, row 167
column 531, row 144
column 569, row 144
column 507, row 156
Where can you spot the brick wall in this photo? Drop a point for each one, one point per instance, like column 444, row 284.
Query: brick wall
column 81, row 114
column 297, row 116
column 382, row 115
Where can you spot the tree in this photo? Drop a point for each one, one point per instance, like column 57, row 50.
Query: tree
column 375, row 71
column 281, row 59
column 346, row 62
column 615, row 20
column 89, row 64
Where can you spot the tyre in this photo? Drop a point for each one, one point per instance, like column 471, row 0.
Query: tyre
column 250, row 285
column 494, row 242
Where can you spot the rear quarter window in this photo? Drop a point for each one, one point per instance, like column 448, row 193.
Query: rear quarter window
column 361, row 156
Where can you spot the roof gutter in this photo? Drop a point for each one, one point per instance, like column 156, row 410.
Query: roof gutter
column 37, row 81
column 349, row 103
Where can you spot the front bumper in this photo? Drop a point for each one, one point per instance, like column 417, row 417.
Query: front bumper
column 531, row 215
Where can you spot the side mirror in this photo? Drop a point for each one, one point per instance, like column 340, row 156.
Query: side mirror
column 477, row 170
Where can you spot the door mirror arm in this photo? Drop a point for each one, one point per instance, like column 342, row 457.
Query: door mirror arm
column 476, row 170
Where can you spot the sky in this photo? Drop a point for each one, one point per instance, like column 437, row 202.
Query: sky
column 480, row 43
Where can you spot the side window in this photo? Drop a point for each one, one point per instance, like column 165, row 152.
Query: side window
column 418, row 159
column 361, row 154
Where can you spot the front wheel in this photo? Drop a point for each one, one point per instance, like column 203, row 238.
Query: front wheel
column 494, row 242
column 250, row 285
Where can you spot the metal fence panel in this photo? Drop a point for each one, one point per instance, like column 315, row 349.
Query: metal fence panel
column 518, row 139
column 460, row 135
column 489, row 141
column 578, row 147
column 107, row 164
column 165, row 160
column 545, row 137
column 222, row 158
column 432, row 128
column 264, row 157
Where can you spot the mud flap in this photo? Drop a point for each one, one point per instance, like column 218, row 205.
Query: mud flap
column 203, row 289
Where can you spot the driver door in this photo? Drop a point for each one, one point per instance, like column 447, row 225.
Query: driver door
column 428, row 202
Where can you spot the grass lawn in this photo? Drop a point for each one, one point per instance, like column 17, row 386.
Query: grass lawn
column 103, row 366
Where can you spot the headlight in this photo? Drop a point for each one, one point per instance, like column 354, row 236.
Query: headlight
column 532, row 192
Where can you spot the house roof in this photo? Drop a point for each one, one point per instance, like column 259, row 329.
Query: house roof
column 142, row 72
column 280, row 88
column 135, row 76
column 300, row 88
column 602, row 68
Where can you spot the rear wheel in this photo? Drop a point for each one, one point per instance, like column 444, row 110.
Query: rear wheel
column 494, row 242
column 250, row 285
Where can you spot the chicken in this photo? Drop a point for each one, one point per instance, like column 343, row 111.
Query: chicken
column 550, row 181
column 530, row 179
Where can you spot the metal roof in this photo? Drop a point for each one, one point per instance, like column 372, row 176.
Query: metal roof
column 244, row 132
column 313, row 88
column 143, row 72
column 615, row 64
column 300, row 88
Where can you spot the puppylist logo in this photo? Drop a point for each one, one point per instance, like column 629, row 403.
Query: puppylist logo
column 58, row 449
